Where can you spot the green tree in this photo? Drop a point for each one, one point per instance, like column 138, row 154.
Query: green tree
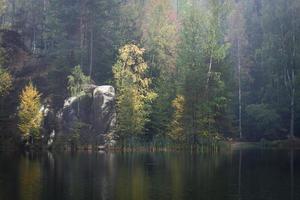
column 3, row 9
column 176, row 129
column 263, row 119
column 160, row 37
column 272, row 55
column 134, row 94
column 6, row 82
column 201, row 70
column 76, row 81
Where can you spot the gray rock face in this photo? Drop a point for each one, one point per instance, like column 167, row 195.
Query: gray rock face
column 95, row 110
column 103, row 109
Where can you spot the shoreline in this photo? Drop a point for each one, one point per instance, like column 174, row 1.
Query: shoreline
column 222, row 146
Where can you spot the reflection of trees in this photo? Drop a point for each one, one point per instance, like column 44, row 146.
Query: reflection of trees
column 79, row 176
column 150, row 176
column 292, row 173
column 30, row 179
column 139, row 184
column 240, row 174
column 132, row 181
column 176, row 178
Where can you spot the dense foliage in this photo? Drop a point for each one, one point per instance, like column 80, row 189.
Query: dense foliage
column 184, row 71
column 6, row 82
column 133, row 91
column 30, row 115
column 76, row 81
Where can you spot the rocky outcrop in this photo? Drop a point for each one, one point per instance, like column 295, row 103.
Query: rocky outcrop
column 93, row 113
column 103, row 109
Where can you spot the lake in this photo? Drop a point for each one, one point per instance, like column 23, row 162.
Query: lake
column 243, row 175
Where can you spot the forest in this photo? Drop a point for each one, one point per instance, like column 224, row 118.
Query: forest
column 184, row 71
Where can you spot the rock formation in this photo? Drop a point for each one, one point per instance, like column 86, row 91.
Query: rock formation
column 94, row 112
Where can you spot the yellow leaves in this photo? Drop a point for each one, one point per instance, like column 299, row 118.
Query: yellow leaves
column 133, row 90
column 131, row 54
column 152, row 96
column 176, row 128
column 5, row 83
column 178, row 104
column 160, row 35
column 3, row 7
column 29, row 114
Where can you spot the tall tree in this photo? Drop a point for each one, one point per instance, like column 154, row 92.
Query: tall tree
column 238, row 40
column 30, row 117
column 76, row 81
column 202, row 46
column 134, row 93
column 160, row 37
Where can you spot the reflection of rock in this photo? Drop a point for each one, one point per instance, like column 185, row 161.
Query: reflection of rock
column 51, row 138
column 95, row 111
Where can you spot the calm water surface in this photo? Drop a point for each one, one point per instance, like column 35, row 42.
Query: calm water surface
column 245, row 175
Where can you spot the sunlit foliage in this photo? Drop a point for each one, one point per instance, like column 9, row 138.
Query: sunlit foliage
column 160, row 37
column 30, row 117
column 76, row 81
column 134, row 93
column 201, row 66
column 6, row 82
column 176, row 131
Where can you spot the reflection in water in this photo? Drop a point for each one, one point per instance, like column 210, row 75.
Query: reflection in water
column 247, row 175
column 240, row 173
column 292, row 173
column 176, row 178
column 30, row 178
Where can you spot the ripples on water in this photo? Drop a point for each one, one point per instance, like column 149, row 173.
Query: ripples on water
column 245, row 175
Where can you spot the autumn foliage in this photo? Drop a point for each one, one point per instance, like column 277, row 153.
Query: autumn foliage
column 29, row 113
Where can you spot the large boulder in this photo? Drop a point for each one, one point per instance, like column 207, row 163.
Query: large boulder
column 103, row 109
column 95, row 111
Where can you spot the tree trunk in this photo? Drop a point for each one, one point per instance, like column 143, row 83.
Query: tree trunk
column 91, row 53
column 209, row 72
column 177, row 7
column 292, row 120
column 13, row 12
column 33, row 44
column 206, row 90
column 240, row 91
column 81, row 29
column 293, row 81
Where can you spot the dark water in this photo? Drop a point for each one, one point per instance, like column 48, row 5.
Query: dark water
column 246, row 175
